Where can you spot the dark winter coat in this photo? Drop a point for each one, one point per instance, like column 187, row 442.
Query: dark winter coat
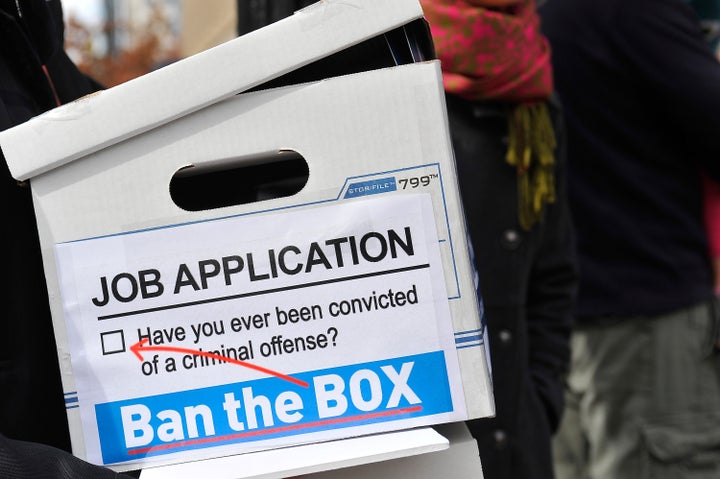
column 527, row 281
column 31, row 404
column 35, row 76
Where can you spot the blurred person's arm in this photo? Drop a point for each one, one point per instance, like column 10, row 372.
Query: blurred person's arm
column 712, row 223
column 551, row 294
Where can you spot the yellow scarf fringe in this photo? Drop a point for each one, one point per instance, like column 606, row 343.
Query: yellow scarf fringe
column 531, row 149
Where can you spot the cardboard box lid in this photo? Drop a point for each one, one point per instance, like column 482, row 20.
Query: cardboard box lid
column 76, row 129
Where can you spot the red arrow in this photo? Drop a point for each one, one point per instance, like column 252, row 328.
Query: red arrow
column 140, row 346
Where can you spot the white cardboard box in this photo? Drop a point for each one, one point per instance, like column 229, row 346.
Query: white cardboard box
column 344, row 310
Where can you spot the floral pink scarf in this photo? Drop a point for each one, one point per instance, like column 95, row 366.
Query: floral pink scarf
column 493, row 50
column 491, row 53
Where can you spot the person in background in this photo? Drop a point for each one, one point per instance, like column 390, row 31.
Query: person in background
column 35, row 76
column 508, row 142
column 641, row 94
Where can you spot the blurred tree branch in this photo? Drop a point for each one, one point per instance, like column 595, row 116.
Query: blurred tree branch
column 149, row 45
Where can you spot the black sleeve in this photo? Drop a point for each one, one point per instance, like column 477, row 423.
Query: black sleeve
column 551, row 294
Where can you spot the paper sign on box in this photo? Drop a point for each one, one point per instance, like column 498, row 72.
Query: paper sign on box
column 332, row 324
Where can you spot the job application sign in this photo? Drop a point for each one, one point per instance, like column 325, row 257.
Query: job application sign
column 260, row 331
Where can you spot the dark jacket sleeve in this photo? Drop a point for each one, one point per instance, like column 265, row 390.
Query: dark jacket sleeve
column 551, row 293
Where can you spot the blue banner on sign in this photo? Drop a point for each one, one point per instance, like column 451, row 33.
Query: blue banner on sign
column 372, row 187
column 388, row 390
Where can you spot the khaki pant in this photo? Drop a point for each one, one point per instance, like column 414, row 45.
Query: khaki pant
column 643, row 399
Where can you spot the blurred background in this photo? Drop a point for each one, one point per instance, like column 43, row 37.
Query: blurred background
column 117, row 40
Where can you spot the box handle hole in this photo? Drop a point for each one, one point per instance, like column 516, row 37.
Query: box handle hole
column 239, row 181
